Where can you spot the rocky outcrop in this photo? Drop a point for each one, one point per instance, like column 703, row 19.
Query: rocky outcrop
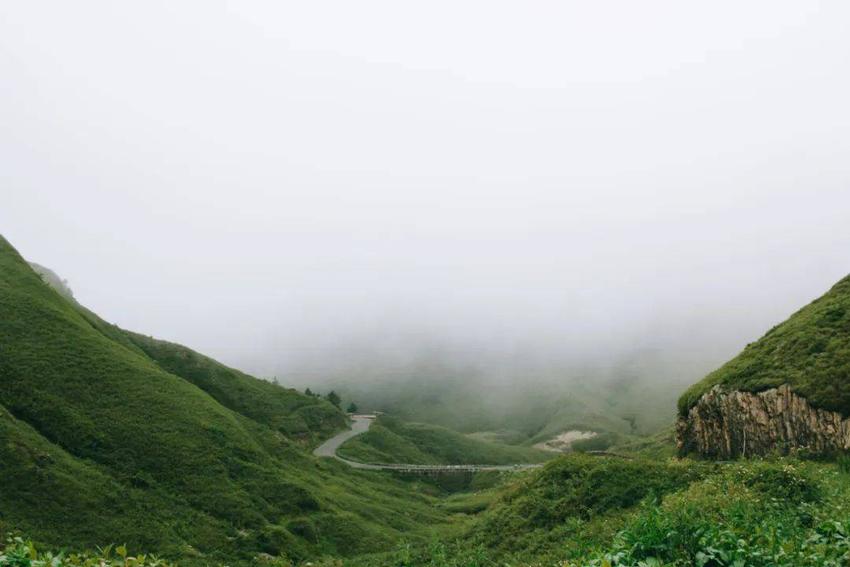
column 727, row 424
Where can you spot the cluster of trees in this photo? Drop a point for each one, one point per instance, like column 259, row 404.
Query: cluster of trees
column 333, row 398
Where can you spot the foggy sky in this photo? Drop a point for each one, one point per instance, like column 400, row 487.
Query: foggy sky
column 275, row 183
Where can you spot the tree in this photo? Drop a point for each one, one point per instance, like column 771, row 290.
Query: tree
column 333, row 398
column 352, row 408
column 308, row 392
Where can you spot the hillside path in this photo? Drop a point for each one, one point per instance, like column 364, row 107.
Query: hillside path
column 362, row 423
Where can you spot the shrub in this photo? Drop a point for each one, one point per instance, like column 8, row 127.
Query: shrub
column 755, row 515
column 18, row 552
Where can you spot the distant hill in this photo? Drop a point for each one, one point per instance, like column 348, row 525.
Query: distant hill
column 109, row 436
column 789, row 390
column 391, row 440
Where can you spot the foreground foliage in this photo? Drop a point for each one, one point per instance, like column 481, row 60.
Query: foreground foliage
column 17, row 552
column 641, row 514
column 581, row 511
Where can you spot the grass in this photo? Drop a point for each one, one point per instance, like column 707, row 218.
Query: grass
column 583, row 512
column 304, row 418
column 810, row 352
column 544, row 509
column 759, row 514
column 17, row 552
column 392, row 440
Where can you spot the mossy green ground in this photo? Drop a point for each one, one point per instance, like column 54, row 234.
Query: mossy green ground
column 810, row 352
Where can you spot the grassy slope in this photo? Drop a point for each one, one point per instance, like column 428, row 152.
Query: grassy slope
column 810, row 352
column 285, row 410
column 43, row 483
column 100, row 442
column 297, row 416
column 391, row 440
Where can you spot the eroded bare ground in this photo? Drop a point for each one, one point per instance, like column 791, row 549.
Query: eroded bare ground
column 563, row 442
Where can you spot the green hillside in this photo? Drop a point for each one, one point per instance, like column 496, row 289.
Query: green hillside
column 810, row 352
column 298, row 416
column 303, row 418
column 107, row 436
column 391, row 440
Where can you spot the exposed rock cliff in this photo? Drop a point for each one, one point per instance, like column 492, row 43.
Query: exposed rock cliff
column 727, row 424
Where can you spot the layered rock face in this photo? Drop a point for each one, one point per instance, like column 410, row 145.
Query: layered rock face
column 728, row 424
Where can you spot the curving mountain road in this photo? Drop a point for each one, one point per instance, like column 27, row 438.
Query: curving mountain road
column 361, row 424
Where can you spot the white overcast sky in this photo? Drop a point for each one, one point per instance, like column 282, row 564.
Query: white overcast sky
column 261, row 180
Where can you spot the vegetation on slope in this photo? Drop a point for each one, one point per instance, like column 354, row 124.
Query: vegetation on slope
column 17, row 552
column 572, row 496
column 583, row 512
column 391, row 440
column 107, row 436
column 283, row 409
column 101, row 442
column 810, row 352
column 300, row 417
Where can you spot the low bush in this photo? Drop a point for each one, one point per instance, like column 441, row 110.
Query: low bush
column 18, row 552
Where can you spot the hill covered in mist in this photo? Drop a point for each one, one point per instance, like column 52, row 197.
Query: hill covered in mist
column 514, row 399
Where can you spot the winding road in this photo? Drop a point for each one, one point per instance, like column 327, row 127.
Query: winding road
column 361, row 424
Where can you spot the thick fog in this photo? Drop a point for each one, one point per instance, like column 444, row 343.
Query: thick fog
column 305, row 189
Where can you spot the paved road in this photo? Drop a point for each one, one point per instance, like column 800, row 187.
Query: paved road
column 361, row 425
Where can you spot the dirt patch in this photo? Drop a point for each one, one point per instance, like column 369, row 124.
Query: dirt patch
column 563, row 442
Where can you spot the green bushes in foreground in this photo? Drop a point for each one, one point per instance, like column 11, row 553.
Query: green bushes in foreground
column 755, row 515
column 17, row 552
column 751, row 514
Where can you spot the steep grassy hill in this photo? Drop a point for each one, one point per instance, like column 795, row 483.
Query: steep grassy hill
column 107, row 436
column 391, row 440
column 810, row 352
column 286, row 410
column 299, row 417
